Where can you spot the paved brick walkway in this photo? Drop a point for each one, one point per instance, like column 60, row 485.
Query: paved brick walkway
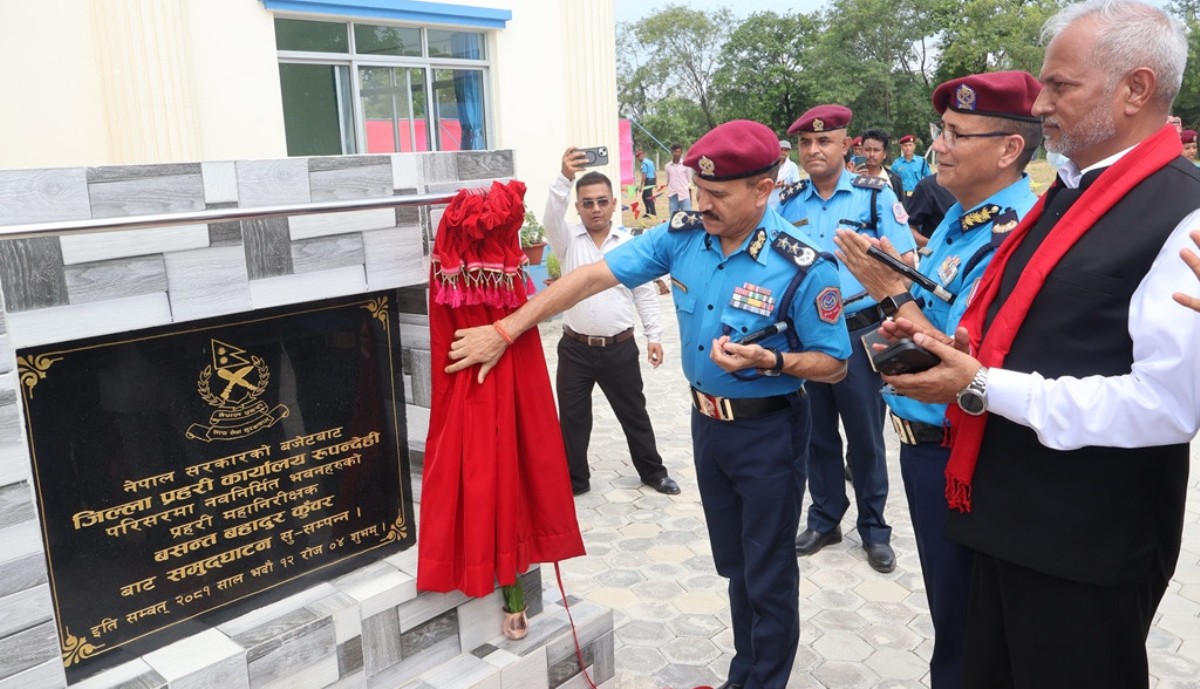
column 649, row 560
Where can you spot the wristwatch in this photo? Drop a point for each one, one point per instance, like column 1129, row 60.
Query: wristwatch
column 890, row 305
column 777, row 368
column 973, row 398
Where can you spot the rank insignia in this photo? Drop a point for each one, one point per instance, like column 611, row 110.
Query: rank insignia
column 979, row 216
column 868, row 182
column 949, row 269
column 757, row 243
column 829, row 304
column 1005, row 222
column 800, row 223
column 964, row 98
column 800, row 253
column 707, row 167
column 818, row 125
column 753, row 298
column 790, row 191
column 686, row 220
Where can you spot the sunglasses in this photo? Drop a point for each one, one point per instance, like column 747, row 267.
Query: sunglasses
column 592, row 203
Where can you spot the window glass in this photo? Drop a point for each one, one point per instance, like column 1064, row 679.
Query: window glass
column 456, row 44
column 316, row 109
column 387, row 40
column 321, row 37
column 458, row 98
column 394, row 111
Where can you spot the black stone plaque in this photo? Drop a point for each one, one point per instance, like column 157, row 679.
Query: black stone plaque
column 189, row 473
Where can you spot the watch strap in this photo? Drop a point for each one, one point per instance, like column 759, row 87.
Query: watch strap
column 890, row 305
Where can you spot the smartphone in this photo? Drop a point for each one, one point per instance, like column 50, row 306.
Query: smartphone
column 900, row 356
column 858, row 161
column 596, row 156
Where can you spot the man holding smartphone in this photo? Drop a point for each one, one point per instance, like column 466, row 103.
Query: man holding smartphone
column 597, row 347
column 988, row 136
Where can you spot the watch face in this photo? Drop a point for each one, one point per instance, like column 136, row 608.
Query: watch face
column 971, row 402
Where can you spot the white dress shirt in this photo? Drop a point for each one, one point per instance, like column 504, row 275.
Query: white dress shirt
column 607, row 313
column 1157, row 402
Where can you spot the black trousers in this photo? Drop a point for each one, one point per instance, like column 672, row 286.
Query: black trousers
column 648, row 197
column 616, row 370
column 1029, row 630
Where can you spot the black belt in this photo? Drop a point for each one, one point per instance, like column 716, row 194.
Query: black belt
column 598, row 340
column 865, row 318
column 730, row 408
column 915, row 432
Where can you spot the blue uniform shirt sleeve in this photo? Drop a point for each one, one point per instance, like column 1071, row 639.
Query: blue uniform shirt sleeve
column 644, row 257
column 896, row 232
column 819, row 333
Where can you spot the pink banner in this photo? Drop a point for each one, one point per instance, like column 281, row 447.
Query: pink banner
column 626, row 134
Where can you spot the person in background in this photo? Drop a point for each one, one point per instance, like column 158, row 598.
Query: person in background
column 926, row 208
column 597, row 346
column 648, row 180
column 874, row 148
column 1073, row 413
column 1188, row 138
column 908, row 166
column 832, row 198
column 789, row 172
column 679, row 182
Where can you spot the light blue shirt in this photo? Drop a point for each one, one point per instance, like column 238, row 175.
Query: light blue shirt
column 704, row 283
column 910, row 172
column 951, row 249
column 647, row 169
column 849, row 207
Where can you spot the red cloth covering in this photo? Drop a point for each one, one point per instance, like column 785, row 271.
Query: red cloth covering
column 1148, row 157
column 496, row 495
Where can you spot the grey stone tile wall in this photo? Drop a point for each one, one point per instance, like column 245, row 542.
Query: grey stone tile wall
column 369, row 628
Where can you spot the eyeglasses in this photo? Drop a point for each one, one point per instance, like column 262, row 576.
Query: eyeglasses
column 592, row 203
column 951, row 137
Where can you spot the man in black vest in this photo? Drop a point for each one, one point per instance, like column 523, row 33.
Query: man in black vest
column 1074, row 411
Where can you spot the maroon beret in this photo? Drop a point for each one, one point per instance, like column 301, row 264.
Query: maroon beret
column 736, row 149
column 996, row 94
column 908, row 138
column 823, row 118
column 1187, row 136
column 856, row 141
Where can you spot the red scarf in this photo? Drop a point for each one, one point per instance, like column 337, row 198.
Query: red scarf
column 1150, row 156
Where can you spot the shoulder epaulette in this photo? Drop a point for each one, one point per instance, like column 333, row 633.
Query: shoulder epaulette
column 686, row 220
column 869, row 182
column 803, row 255
column 1002, row 225
column 790, row 191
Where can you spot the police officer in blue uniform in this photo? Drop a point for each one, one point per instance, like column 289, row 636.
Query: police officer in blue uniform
column 830, row 199
column 739, row 269
column 988, row 136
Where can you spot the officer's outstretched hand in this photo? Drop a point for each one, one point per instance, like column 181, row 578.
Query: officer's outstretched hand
column 731, row 356
column 1189, row 257
column 941, row 383
column 482, row 345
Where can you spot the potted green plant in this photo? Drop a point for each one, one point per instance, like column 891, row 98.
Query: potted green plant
column 553, row 268
column 533, row 238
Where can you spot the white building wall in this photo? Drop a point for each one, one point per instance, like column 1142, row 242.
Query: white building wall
column 96, row 82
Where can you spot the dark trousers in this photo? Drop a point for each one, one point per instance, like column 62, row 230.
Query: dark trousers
column 648, row 197
column 856, row 400
column 945, row 564
column 616, row 370
column 1030, row 630
column 751, row 477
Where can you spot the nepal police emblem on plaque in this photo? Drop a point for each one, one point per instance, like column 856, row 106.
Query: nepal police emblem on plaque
column 240, row 381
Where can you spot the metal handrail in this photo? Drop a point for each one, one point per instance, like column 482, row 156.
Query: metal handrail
column 138, row 222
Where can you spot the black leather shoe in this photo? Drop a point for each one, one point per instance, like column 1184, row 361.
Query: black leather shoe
column 881, row 557
column 665, row 485
column 809, row 541
column 730, row 685
column 576, row 490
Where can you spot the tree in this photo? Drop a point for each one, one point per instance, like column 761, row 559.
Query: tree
column 1187, row 103
column 992, row 35
column 762, row 73
column 674, row 53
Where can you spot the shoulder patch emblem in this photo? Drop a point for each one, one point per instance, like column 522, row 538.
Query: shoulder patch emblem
column 790, row 191
column 687, row 220
column 868, row 182
column 829, row 304
column 900, row 213
column 797, row 251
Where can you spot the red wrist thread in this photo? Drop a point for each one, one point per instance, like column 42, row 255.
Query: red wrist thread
column 503, row 333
